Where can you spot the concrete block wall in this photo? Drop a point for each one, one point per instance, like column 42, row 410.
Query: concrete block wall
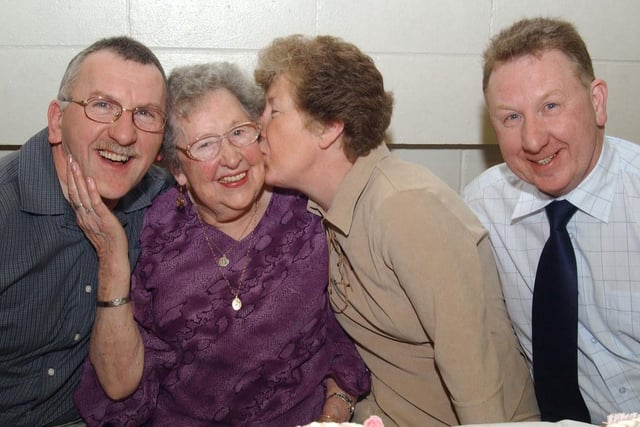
column 429, row 52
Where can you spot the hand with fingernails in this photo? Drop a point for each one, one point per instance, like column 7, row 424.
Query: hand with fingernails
column 100, row 225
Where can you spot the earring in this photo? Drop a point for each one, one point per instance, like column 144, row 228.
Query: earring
column 180, row 198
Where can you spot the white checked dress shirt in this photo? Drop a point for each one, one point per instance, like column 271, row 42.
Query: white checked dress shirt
column 605, row 233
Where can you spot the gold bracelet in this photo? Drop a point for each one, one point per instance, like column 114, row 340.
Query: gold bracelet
column 345, row 399
column 116, row 302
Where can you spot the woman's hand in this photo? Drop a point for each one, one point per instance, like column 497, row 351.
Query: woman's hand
column 338, row 406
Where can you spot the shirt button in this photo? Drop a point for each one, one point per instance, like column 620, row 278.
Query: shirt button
column 51, row 372
column 622, row 390
column 76, row 337
column 87, row 289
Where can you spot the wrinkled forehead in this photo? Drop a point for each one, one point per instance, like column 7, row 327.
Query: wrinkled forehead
column 106, row 73
column 563, row 66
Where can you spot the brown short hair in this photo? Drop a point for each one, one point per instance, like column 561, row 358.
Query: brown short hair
column 333, row 81
column 533, row 37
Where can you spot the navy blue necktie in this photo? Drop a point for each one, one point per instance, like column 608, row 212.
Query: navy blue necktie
column 555, row 323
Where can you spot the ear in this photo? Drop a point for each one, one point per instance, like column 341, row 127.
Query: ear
column 599, row 92
column 180, row 177
column 54, row 120
column 330, row 133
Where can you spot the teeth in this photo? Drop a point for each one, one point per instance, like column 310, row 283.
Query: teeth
column 235, row 178
column 113, row 156
column 546, row 161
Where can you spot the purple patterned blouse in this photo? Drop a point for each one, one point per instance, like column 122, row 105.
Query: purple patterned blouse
column 206, row 364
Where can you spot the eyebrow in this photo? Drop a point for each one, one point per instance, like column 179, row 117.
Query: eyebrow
column 234, row 123
column 503, row 107
column 540, row 98
column 97, row 93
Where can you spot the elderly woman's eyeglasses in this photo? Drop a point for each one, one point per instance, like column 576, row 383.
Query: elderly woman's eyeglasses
column 208, row 147
column 105, row 110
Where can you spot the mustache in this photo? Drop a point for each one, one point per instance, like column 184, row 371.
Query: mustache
column 128, row 151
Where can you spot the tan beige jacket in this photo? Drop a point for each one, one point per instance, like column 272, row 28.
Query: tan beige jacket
column 424, row 301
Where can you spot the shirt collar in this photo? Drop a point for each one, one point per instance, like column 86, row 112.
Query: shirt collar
column 40, row 191
column 593, row 196
column 342, row 208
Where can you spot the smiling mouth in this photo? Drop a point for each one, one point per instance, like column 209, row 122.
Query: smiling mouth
column 546, row 160
column 232, row 179
column 114, row 157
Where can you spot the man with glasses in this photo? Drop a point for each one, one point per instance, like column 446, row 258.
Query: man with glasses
column 109, row 117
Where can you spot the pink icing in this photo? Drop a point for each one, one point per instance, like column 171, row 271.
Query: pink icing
column 373, row 421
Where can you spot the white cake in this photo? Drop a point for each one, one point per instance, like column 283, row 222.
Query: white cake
column 372, row 421
column 327, row 424
column 623, row 420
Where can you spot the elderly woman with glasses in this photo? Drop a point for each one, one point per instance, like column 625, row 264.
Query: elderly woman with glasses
column 229, row 321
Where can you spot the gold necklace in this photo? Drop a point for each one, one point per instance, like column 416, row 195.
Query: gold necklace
column 223, row 261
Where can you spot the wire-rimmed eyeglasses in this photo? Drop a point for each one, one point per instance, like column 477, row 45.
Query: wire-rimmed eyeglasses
column 208, row 147
column 105, row 110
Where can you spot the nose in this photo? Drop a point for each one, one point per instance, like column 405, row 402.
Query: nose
column 264, row 121
column 229, row 155
column 123, row 130
column 533, row 135
column 262, row 139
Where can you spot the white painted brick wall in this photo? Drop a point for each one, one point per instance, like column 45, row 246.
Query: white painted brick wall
column 428, row 50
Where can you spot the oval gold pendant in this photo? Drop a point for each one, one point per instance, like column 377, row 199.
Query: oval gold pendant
column 223, row 261
column 236, row 304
